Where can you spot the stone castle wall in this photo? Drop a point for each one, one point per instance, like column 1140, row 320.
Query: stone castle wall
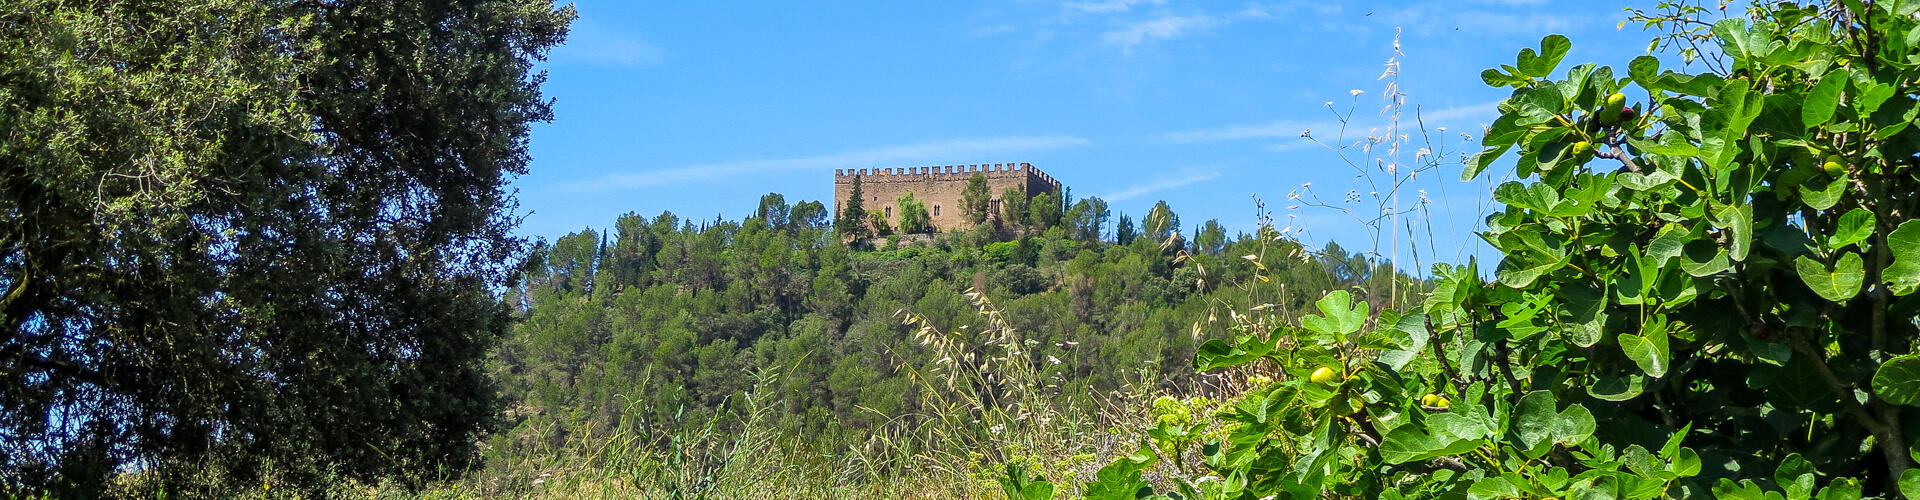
column 938, row 188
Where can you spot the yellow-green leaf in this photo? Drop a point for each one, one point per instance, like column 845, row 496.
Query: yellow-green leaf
column 1854, row 227
column 1823, row 99
column 1904, row 242
column 1898, row 381
column 1837, row 283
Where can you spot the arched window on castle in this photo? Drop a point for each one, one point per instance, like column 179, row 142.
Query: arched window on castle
column 889, row 212
column 936, row 210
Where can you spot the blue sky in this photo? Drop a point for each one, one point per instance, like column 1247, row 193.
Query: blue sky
column 702, row 107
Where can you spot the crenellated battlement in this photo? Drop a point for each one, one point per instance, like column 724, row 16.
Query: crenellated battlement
column 939, row 187
column 945, row 172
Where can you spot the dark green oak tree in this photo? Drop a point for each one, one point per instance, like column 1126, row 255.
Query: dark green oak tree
column 243, row 240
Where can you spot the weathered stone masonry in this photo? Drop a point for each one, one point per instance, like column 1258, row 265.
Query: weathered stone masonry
column 938, row 188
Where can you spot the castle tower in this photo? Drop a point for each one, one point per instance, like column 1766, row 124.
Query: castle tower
column 938, row 188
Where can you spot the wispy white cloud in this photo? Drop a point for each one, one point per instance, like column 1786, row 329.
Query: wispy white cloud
column 1170, row 27
column 593, row 45
column 1106, row 6
column 864, row 158
column 1159, row 28
column 1159, row 183
column 994, row 30
column 1473, row 113
column 1271, row 130
column 1282, row 147
column 1503, row 18
column 1459, row 116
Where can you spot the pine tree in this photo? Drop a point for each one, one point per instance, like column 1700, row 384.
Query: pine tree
column 853, row 216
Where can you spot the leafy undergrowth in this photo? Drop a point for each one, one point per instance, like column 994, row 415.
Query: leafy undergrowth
column 1706, row 290
column 1705, row 293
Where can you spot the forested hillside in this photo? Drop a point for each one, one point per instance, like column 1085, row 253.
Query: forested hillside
column 659, row 322
column 270, row 250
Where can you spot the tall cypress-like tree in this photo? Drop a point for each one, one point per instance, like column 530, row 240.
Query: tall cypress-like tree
column 853, row 215
column 247, row 236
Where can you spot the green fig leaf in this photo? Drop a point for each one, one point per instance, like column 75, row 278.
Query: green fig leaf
column 1649, row 349
column 1539, row 423
column 1854, row 227
column 1823, row 196
column 1898, row 380
column 1738, row 219
column 1823, row 99
column 1218, row 353
column 1617, row 388
column 1904, row 243
column 1552, row 49
column 1838, row 283
column 1338, row 314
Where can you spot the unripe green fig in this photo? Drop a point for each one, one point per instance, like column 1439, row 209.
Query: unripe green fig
column 1581, row 149
column 1442, row 402
column 1615, row 101
column 1321, row 375
column 1834, row 167
column 1428, row 399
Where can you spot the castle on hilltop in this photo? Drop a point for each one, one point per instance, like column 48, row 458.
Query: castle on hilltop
column 938, row 188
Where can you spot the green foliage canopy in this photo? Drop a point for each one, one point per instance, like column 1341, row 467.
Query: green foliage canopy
column 648, row 347
column 1044, row 212
column 976, row 200
column 1013, row 207
column 1087, row 220
column 914, row 218
column 1160, row 222
column 1706, row 292
column 239, row 237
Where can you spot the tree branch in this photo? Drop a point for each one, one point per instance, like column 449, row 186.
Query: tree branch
column 1887, row 437
column 1440, row 353
column 1618, row 154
